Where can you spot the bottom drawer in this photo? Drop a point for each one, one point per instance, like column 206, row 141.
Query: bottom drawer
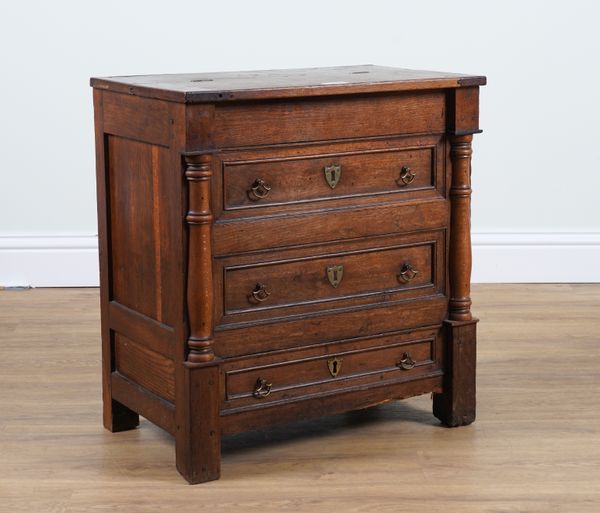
column 364, row 362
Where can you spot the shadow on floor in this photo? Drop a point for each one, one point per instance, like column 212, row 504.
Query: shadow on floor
column 396, row 411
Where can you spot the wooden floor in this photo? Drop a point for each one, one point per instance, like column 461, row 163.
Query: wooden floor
column 534, row 448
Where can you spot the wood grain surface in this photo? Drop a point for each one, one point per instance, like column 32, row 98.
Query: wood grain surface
column 283, row 83
column 535, row 447
column 297, row 179
column 188, row 284
column 370, row 174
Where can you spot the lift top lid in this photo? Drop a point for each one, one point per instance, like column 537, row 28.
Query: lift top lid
column 257, row 85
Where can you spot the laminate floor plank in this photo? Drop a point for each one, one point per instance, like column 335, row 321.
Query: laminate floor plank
column 535, row 446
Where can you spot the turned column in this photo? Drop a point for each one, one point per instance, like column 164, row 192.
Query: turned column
column 199, row 218
column 198, row 436
column 455, row 406
column 460, row 229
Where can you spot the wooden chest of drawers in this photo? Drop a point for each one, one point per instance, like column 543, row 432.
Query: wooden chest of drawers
column 281, row 245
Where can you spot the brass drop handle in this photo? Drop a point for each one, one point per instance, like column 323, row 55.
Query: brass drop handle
column 259, row 294
column 262, row 388
column 259, row 190
column 407, row 176
column 406, row 362
column 407, row 273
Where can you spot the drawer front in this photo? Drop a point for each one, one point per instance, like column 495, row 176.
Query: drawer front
column 328, row 325
column 320, row 119
column 354, row 363
column 331, row 276
column 326, row 278
column 322, row 226
column 300, row 178
column 253, row 184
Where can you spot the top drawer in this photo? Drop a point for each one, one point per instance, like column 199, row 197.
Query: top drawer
column 262, row 181
column 295, row 180
column 321, row 119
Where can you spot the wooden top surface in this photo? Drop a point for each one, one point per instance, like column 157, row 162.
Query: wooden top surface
column 253, row 85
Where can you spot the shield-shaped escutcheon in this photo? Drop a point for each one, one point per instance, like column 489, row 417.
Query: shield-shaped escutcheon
column 333, row 174
column 335, row 273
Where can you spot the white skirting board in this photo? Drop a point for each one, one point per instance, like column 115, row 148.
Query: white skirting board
column 49, row 261
column 536, row 258
column 72, row 260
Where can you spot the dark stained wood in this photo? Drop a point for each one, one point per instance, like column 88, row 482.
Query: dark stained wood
column 236, row 421
column 151, row 406
column 116, row 416
column 300, row 277
column 456, row 405
column 338, row 345
column 183, row 419
column 295, row 180
column 140, row 227
column 326, row 119
column 317, row 226
column 360, row 185
column 253, row 85
column 148, row 368
column 158, row 337
column 460, row 229
column 199, row 448
column 335, row 302
column 198, row 173
column 463, row 111
column 136, row 118
column 327, row 325
column 304, row 376
column 184, row 242
column 131, row 219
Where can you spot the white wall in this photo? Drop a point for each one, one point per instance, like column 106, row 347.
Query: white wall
column 536, row 167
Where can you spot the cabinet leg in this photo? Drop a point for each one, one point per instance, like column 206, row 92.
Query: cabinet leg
column 198, row 438
column 456, row 405
column 117, row 417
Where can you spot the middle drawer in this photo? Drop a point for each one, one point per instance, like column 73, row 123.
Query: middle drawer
column 332, row 275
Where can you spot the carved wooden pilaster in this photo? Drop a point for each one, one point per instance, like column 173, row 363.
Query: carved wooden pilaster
column 460, row 229
column 199, row 218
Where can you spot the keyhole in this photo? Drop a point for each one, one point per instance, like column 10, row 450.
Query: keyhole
column 335, row 365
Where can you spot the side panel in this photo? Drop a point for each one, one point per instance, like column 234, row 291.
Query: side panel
column 145, row 367
column 140, row 222
column 140, row 227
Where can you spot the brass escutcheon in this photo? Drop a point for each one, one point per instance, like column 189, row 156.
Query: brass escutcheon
column 335, row 366
column 407, row 175
column 335, row 273
column 406, row 362
column 262, row 388
column 259, row 190
column 333, row 174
